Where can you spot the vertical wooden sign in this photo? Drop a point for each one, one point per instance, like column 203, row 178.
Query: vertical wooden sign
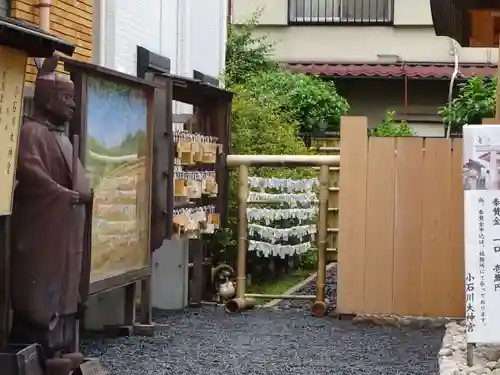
column 12, row 71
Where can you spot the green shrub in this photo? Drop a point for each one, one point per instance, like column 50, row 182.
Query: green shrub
column 475, row 100
column 392, row 128
column 310, row 101
column 309, row 260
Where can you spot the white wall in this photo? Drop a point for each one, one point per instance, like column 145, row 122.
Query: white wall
column 191, row 33
column 412, row 37
column 208, row 36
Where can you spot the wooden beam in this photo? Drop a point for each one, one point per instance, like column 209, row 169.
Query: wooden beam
column 282, row 160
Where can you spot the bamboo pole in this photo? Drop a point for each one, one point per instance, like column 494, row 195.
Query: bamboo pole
column 281, row 296
column 282, row 160
column 319, row 307
column 240, row 302
column 242, row 232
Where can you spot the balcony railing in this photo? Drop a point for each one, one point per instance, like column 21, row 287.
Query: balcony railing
column 341, row 12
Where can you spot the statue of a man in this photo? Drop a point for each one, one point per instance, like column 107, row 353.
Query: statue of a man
column 48, row 222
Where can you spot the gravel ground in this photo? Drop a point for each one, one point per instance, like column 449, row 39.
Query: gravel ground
column 268, row 342
column 310, row 289
column 285, row 340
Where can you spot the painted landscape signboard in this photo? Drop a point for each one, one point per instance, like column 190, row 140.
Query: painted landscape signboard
column 117, row 165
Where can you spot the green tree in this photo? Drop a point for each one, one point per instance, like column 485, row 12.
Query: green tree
column 310, row 101
column 266, row 118
column 475, row 101
column 246, row 53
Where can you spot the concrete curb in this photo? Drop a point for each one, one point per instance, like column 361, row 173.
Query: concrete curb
column 294, row 289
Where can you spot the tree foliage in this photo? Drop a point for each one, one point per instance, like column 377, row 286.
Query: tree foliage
column 246, row 53
column 311, row 102
column 270, row 105
column 475, row 100
column 392, row 128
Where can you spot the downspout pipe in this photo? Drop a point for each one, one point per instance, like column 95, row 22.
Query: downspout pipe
column 44, row 14
column 43, row 22
column 102, row 32
column 454, row 75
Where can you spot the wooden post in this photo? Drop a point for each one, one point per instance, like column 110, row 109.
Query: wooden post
column 196, row 249
column 319, row 307
column 352, row 205
column 129, row 305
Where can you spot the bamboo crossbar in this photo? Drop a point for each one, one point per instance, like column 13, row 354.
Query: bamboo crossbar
column 281, row 296
column 283, row 160
column 264, row 202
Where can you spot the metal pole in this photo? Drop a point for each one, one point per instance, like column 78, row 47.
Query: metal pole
column 319, row 307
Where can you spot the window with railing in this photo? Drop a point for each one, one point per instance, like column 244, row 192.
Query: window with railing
column 378, row 12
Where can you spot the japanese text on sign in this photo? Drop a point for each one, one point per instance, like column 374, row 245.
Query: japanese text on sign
column 12, row 70
column 481, row 179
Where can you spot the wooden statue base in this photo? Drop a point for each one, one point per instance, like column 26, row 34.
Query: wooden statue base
column 27, row 359
column 21, row 360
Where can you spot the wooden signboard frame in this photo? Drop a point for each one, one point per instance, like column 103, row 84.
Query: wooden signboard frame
column 212, row 110
column 80, row 75
column 13, row 61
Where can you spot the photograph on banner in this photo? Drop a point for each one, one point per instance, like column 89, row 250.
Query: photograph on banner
column 481, row 183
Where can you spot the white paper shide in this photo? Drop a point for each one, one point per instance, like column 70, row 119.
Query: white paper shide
column 481, row 182
column 296, row 201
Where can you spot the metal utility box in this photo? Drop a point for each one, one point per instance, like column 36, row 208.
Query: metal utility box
column 170, row 275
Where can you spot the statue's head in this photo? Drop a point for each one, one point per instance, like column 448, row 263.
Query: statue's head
column 54, row 93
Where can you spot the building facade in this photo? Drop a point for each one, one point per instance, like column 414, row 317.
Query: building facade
column 70, row 20
column 383, row 54
column 191, row 33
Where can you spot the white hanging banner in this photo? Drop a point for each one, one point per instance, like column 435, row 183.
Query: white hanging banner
column 291, row 199
column 268, row 249
column 270, row 215
column 274, row 235
column 481, row 182
column 283, row 184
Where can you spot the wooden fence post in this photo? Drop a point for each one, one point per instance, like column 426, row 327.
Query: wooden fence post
column 352, row 219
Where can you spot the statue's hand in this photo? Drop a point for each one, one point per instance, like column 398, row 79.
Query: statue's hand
column 86, row 198
column 74, row 197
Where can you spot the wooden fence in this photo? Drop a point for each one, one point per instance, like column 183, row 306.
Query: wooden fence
column 401, row 225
